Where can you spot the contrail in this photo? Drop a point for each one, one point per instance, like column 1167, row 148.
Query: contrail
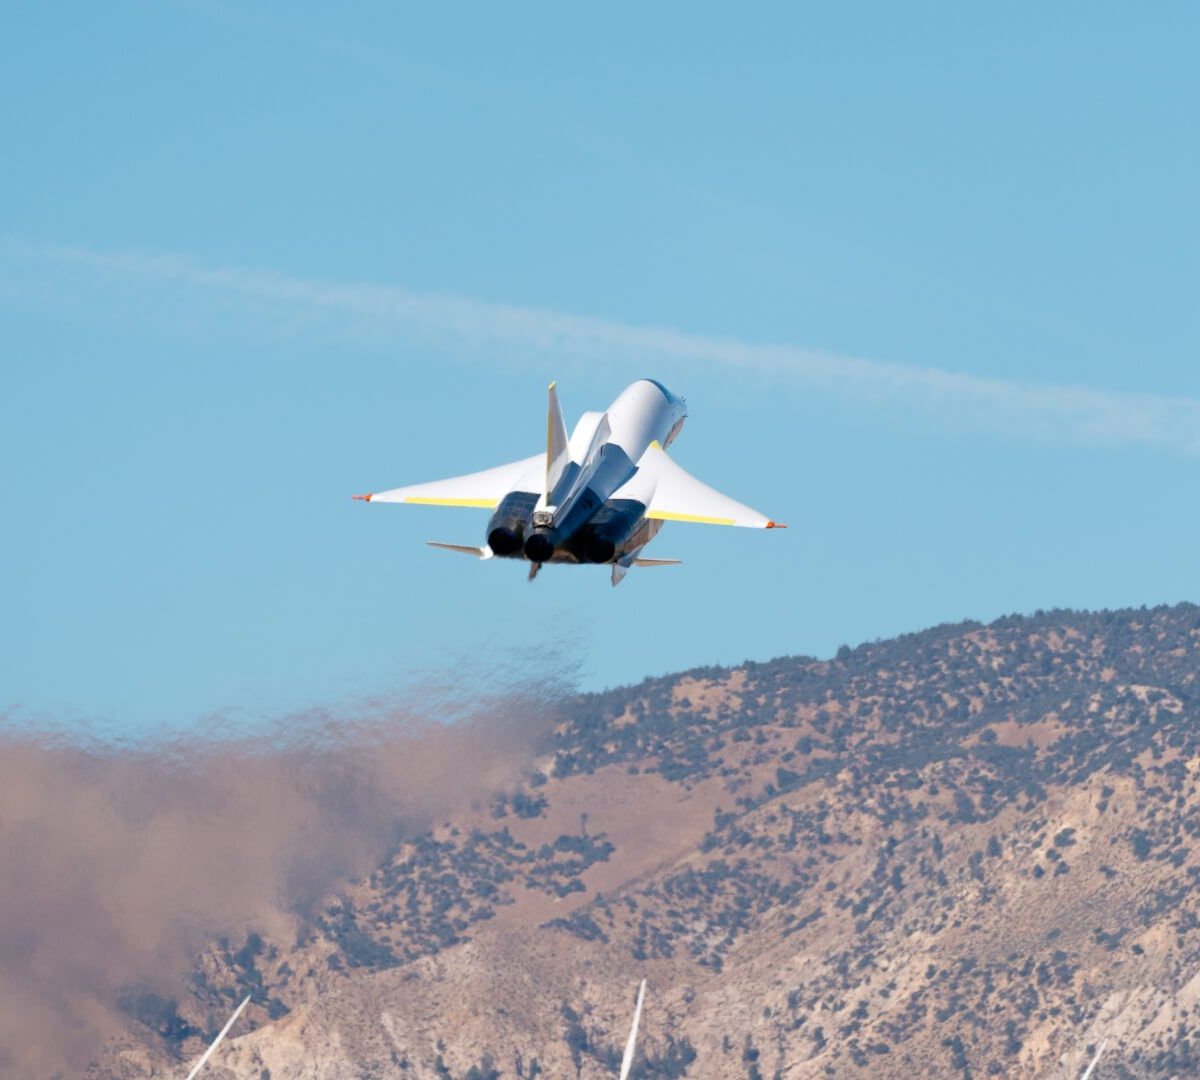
column 631, row 1044
column 217, row 1041
column 389, row 314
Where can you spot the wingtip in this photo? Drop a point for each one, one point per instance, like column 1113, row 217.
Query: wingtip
column 776, row 525
column 361, row 498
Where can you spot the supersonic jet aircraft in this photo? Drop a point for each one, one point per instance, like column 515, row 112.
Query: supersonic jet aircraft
column 599, row 496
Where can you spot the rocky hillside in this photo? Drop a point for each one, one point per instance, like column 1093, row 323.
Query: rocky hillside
column 968, row 852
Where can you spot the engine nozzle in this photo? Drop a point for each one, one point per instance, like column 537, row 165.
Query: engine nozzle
column 599, row 549
column 539, row 546
column 506, row 530
column 504, row 541
column 607, row 533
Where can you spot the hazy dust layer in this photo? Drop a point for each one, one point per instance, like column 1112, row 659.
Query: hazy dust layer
column 120, row 863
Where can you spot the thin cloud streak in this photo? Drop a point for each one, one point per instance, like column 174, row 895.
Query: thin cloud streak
column 388, row 313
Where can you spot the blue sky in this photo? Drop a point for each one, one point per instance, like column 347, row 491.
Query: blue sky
column 926, row 275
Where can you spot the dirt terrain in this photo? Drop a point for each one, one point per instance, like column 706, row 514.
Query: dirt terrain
column 967, row 852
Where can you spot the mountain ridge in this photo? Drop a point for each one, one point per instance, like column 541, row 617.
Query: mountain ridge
column 966, row 851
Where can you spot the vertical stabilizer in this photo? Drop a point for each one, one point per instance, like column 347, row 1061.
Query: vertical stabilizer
column 557, row 456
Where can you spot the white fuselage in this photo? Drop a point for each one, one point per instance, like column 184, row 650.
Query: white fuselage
column 606, row 447
column 645, row 412
column 602, row 470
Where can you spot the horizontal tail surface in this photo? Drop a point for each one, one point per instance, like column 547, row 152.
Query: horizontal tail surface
column 465, row 549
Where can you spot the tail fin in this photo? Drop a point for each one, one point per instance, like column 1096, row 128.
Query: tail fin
column 556, row 443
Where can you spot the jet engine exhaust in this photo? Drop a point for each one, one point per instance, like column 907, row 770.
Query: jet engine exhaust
column 539, row 547
column 504, row 541
column 599, row 549
column 608, row 531
column 506, row 530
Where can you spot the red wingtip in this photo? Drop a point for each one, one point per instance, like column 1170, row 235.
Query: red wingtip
column 776, row 525
column 364, row 498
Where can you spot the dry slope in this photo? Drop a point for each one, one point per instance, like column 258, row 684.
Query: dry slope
column 968, row 852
